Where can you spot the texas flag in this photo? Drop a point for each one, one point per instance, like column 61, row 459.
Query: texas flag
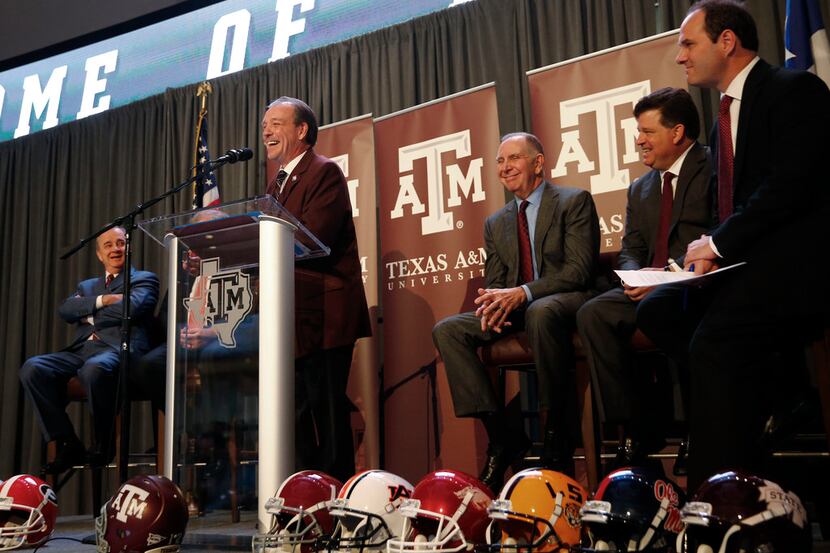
column 805, row 39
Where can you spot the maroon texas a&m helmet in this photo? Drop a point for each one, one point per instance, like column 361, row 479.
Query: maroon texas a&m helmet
column 148, row 514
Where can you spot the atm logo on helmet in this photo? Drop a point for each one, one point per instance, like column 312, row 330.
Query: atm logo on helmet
column 437, row 218
column 130, row 502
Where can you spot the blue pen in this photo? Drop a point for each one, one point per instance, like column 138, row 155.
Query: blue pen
column 686, row 290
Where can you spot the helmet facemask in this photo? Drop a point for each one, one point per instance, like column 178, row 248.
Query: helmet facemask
column 290, row 527
column 609, row 531
column 356, row 529
column 708, row 533
column 18, row 522
column 429, row 531
column 522, row 531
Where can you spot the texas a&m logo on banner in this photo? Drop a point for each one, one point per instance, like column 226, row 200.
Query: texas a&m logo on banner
column 351, row 144
column 582, row 111
column 438, row 182
column 440, row 196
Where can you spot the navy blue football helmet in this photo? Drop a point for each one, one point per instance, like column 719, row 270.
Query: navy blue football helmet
column 634, row 509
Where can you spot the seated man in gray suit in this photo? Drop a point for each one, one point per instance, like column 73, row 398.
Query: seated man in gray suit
column 541, row 250
column 95, row 310
column 668, row 207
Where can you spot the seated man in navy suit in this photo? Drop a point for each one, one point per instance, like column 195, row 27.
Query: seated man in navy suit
column 668, row 207
column 93, row 356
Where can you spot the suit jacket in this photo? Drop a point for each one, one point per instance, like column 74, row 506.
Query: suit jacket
column 692, row 213
column 566, row 242
column 144, row 292
column 330, row 302
column 781, row 199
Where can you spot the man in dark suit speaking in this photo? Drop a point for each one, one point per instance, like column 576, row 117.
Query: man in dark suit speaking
column 667, row 208
column 541, row 250
column 771, row 145
column 93, row 356
column 331, row 311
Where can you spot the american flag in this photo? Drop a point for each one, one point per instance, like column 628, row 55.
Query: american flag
column 205, row 187
column 805, row 39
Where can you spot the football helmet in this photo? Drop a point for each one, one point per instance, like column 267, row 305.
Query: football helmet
column 537, row 510
column 734, row 512
column 634, row 509
column 366, row 510
column 447, row 513
column 147, row 514
column 299, row 512
column 28, row 509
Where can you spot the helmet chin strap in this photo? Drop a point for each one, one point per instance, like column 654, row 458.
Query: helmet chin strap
column 554, row 516
column 452, row 526
column 654, row 525
column 774, row 510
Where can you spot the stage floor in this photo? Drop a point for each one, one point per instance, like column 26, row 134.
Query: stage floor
column 215, row 532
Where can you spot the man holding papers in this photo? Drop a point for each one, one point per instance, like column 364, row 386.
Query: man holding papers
column 667, row 208
column 771, row 145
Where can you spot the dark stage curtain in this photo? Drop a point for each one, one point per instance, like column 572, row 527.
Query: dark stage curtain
column 61, row 184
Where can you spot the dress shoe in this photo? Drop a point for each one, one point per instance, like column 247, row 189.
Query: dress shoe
column 786, row 422
column 70, row 452
column 499, row 458
column 558, row 453
column 681, row 462
column 100, row 455
column 634, row 453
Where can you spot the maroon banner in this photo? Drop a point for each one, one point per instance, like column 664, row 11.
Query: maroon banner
column 582, row 113
column 437, row 184
column 352, row 145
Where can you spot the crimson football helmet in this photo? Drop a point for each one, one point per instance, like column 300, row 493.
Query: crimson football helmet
column 447, row 513
column 634, row 509
column 366, row 510
column 734, row 512
column 28, row 509
column 537, row 510
column 147, row 514
column 299, row 512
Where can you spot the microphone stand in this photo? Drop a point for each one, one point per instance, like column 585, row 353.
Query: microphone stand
column 429, row 371
column 128, row 223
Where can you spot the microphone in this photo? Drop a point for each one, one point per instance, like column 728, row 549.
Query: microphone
column 233, row 155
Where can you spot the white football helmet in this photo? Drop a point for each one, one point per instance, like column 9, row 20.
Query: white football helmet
column 366, row 510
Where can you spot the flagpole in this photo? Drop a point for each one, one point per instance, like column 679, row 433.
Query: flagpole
column 202, row 92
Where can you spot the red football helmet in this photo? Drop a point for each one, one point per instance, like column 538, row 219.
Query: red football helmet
column 148, row 514
column 634, row 509
column 28, row 509
column 299, row 512
column 734, row 512
column 447, row 513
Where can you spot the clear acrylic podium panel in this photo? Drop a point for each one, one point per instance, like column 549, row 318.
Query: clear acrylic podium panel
column 215, row 447
column 199, row 225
